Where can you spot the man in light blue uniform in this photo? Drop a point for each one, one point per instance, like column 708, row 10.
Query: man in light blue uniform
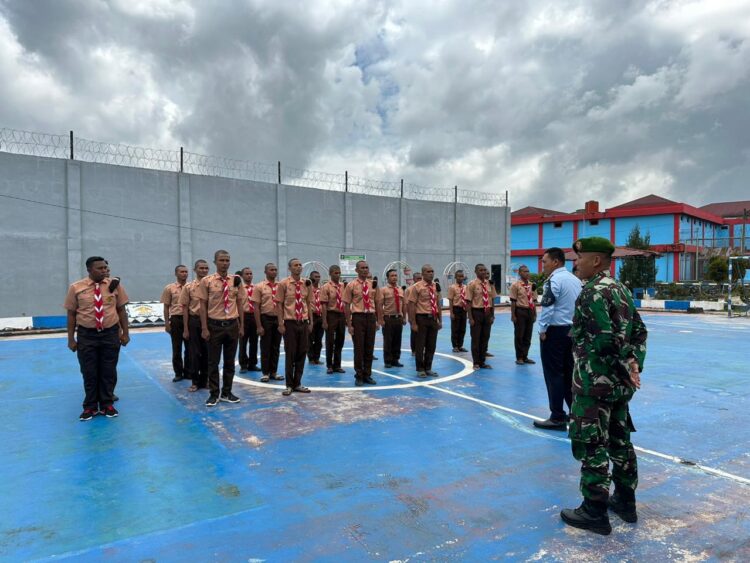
column 561, row 289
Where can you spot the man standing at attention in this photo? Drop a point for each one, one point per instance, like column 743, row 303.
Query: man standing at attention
column 609, row 343
column 197, row 366
column 267, row 324
column 416, row 277
column 359, row 304
column 391, row 308
column 426, row 320
column 294, row 312
column 173, row 322
column 222, row 301
column 99, row 318
column 316, row 332
column 457, row 304
column 523, row 314
column 248, row 355
column 480, row 294
column 561, row 289
column 334, row 323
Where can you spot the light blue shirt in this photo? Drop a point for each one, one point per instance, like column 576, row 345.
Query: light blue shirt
column 559, row 299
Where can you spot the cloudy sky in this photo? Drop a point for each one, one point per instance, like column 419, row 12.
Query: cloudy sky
column 556, row 101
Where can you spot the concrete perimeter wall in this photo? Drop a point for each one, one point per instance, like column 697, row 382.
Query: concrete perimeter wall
column 54, row 213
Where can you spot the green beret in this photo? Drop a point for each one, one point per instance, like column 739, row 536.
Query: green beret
column 593, row 244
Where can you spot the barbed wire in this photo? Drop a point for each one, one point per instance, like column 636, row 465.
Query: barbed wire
column 86, row 150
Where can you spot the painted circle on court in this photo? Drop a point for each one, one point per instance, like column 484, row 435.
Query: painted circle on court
column 467, row 369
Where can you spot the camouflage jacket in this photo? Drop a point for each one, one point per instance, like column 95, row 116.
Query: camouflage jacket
column 607, row 332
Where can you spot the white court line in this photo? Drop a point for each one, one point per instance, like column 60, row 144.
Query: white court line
column 463, row 373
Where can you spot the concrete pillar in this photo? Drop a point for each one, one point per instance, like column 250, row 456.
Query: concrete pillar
column 281, row 253
column 348, row 221
column 76, row 267
column 185, row 236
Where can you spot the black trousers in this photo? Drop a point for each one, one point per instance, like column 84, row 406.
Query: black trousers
column 413, row 342
column 296, row 342
column 335, row 335
column 522, row 332
column 315, row 344
column 223, row 339
column 426, row 340
column 98, row 353
column 269, row 344
column 480, row 334
column 180, row 355
column 364, row 343
column 458, row 327
column 197, row 353
column 248, row 355
column 393, row 328
column 557, row 364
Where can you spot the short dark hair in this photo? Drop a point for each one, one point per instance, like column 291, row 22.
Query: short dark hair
column 199, row 261
column 388, row 273
column 238, row 273
column 333, row 268
column 478, row 266
column 90, row 261
column 289, row 264
column 245, row 268
column 359, row 262
column 314, row 272
column 219, row 253
column 556, row 253
column 178, row 267
column 458, row 272
column 267, row 265
column 522, row 267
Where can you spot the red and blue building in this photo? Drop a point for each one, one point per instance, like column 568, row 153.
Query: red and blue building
column 683, row 235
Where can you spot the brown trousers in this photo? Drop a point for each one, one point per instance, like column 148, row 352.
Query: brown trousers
column 296, row 341
column 364, row 344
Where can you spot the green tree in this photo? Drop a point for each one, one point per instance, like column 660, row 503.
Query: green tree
column 638, row 271
column 717, row 270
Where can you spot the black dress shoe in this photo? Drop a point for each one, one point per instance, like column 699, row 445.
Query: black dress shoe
column 587, row 518
column 253, row 368
column 550, row 424
column 462, row 349
column 528, row 361
column 243, row 370
column 177, row 378
column 329, row 371
column 519, row 362
column 387, row 366
column 370, row 381
column 624, row 509
column 486, row 366
column 359, row 382
column 398, row 365
column 339, row 370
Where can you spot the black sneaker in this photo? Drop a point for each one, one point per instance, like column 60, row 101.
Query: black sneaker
column 370, row 381
column 624, row 509
column 587, row 519
column 87, row 415
column 212, row 400
column 398, row 365
column 110, row 411
column 228, row 397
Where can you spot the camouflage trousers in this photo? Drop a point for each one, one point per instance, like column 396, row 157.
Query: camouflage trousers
column 599, row 433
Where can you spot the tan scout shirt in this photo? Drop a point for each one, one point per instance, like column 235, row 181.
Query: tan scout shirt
column 387, row 300
column 80, row 300
column 353, row 296
column 264, row 295
column 286, row 296
column 328, row 295
column 189, row 298
column 171, row 298
column 517, row 293
column 474, row 294
column 211, row 290
column 454, row 295
column 420, row 296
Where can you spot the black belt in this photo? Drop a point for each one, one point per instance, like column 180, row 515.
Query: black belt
column 194, row 316
column 428, row 315
column 216, row 322
column 334, row 311
column 174, row 317
column 393, row 316
column 302, row 322
column 353, row 314
column 481, row 308
column 95, row 330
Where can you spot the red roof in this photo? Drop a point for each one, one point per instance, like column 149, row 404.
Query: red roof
column 536, row 211
column 727, row 208
column 646, row 201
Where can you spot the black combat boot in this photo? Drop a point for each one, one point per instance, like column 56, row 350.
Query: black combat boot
column 622, row 503
column 589, row 516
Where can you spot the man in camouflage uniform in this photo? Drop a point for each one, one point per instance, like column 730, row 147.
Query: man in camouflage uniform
column 609, row 348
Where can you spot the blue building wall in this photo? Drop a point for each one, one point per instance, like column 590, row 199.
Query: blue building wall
column 586, row 229
column 525, row 236
column 557, row 236
column 660, row 227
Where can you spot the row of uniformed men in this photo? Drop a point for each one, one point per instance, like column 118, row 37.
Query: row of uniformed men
column 212, row 314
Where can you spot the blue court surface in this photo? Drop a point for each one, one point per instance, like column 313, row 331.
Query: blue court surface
column 450, row 471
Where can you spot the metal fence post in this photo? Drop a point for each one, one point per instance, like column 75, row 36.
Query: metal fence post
column 402, row 190
column 346, row 180
column 71, row 145
column 279, row 173
column 182, row 159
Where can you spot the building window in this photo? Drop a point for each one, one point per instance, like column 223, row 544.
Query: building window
column 594, row 222
column 558, row 225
